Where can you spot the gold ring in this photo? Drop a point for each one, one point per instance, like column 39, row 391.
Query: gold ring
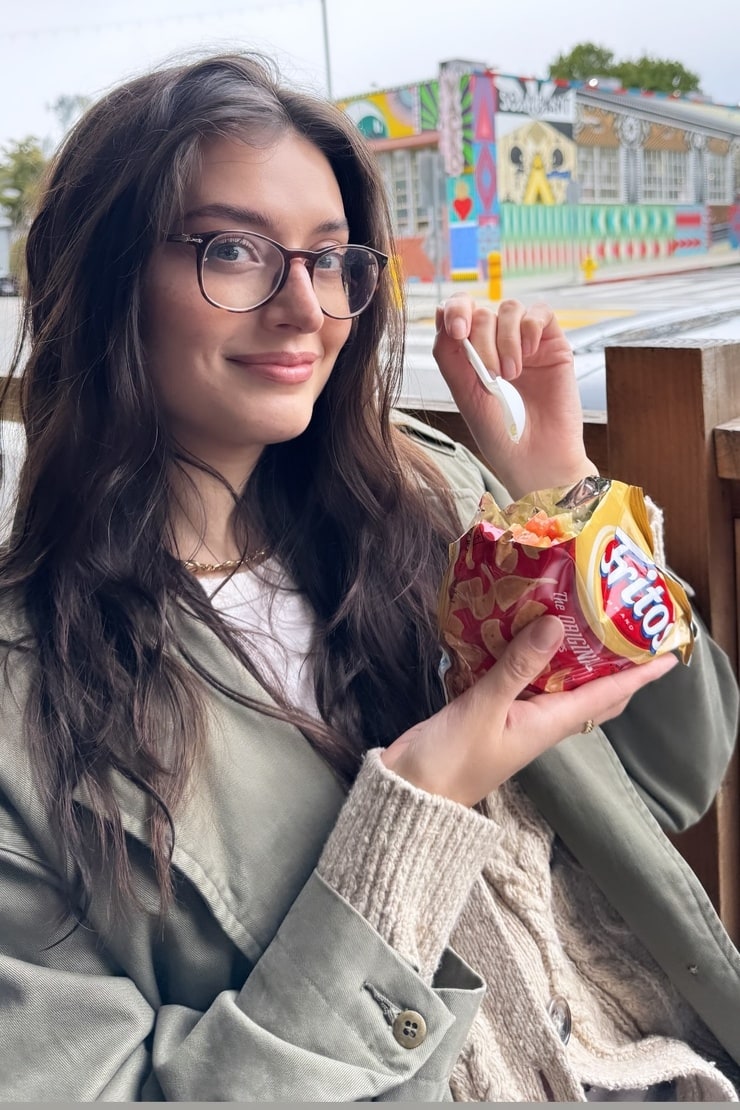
column 588, row 726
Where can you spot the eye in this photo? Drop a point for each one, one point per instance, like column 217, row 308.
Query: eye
column 233, row 251
column 331, row 262
column 229, row 252
column 240, row 253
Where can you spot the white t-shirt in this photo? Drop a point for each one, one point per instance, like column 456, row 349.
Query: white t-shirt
column 275, row 621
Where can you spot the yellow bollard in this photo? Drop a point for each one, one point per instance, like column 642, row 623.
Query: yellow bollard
column 589, row 267
column 396, row 271
column 494, row 276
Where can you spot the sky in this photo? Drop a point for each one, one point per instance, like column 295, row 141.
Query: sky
column 84, row 47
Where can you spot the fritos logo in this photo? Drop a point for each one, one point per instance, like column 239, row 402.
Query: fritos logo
column 634, row 594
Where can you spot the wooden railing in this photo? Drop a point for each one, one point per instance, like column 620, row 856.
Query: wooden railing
column 674, row 428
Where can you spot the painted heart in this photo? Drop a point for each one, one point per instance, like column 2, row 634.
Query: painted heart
column 463, row 207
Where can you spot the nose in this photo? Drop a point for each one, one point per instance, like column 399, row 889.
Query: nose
column 296, row 305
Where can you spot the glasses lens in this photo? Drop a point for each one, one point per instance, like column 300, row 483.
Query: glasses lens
column 345, row 280
column 240, row 271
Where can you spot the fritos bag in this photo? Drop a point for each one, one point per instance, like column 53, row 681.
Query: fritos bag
column 583, row 554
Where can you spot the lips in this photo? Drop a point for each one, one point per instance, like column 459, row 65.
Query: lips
column 278, row 366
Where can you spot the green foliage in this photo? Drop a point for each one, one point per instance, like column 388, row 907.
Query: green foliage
column 657, row 75
column 17, row 259
column 22, row 166
column 586, row 60
column 583, row 61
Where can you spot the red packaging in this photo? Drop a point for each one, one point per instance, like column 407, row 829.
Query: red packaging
column 584, row 555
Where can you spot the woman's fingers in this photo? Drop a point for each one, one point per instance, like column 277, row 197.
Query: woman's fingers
column 546, row 719
column 489, row 733
column 504, row 338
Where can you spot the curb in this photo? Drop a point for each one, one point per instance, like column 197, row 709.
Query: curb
column 663, row 273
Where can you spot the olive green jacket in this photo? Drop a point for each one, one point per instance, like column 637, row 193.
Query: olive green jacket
column 258, row 985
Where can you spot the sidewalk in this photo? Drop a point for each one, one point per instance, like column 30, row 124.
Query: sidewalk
column 422, row 297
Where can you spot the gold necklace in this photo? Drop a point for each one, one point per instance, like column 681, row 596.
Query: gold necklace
column 229, row 564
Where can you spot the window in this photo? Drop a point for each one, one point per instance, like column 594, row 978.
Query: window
column 401, row 175
column 598, row 174
column 719, row 186
column 666, row 177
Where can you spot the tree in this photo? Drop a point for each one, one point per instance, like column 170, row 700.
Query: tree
column 657, row 75
column 22, row 165
column 587, row 60
column 583, row 61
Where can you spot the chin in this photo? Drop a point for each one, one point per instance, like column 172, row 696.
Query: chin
column 281, row 431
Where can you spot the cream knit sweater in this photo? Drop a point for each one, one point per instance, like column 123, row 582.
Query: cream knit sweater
column 513, row 903
column 504, row 892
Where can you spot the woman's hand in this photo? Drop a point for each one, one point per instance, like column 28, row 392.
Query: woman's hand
column 487, row 734
column 527, row 347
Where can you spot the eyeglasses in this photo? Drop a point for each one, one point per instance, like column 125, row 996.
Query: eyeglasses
column 241, row 271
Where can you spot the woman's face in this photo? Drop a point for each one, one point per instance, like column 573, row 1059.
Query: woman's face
column 229, row 383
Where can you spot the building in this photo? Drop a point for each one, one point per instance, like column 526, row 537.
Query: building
column 547, row 172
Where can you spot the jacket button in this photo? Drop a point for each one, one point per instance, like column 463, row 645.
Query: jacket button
column 410, row 1029
column 558, row 1011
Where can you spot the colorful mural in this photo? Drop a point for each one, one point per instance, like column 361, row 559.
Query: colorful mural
column 429, row 106
column 462, row 218
column 485, row 169
column 509, row 151
column 734, row 222
column 386, row 115
column 534, row 140
column 537, row 238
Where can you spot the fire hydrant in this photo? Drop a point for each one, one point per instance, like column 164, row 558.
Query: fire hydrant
column 494, row 276
column 589, row 267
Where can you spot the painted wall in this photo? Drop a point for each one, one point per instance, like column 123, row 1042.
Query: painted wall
column 537, row 237
column 734, row 221
column 509, row 148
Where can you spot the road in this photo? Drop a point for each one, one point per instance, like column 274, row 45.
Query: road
column 585, row 312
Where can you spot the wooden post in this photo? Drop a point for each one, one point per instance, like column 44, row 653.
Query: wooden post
column 664, row 402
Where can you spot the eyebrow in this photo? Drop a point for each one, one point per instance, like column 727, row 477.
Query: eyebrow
column 240, row 216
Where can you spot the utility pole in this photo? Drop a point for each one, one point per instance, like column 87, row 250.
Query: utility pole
column 327, row 62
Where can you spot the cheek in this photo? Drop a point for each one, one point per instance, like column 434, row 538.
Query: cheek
column 335, row 334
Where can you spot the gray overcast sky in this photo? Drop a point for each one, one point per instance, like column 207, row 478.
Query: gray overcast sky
column 49, row 48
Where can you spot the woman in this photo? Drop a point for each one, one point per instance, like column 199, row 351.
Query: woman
column 240, row 854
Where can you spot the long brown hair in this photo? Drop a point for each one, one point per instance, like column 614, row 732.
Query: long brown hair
column 363, row 533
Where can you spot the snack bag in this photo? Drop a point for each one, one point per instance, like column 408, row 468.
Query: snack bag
column 584, row 555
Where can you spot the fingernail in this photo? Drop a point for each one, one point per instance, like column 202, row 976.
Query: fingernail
column 508, row 367
column 547, row 633
column 458, row 329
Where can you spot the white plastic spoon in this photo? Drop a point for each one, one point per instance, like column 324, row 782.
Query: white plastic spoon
column 507, row 396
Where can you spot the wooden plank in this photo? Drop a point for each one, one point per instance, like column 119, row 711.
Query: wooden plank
column 727, row 449
column 664, row 402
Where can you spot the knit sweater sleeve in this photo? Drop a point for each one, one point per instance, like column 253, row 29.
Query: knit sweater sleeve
column 406, row 860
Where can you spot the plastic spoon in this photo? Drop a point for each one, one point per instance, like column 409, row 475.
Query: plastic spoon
column 504, row 392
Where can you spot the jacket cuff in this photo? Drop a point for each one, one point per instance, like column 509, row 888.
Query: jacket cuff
column 406, row 860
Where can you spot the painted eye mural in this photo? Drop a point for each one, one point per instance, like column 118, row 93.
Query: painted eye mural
column 368, row 118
